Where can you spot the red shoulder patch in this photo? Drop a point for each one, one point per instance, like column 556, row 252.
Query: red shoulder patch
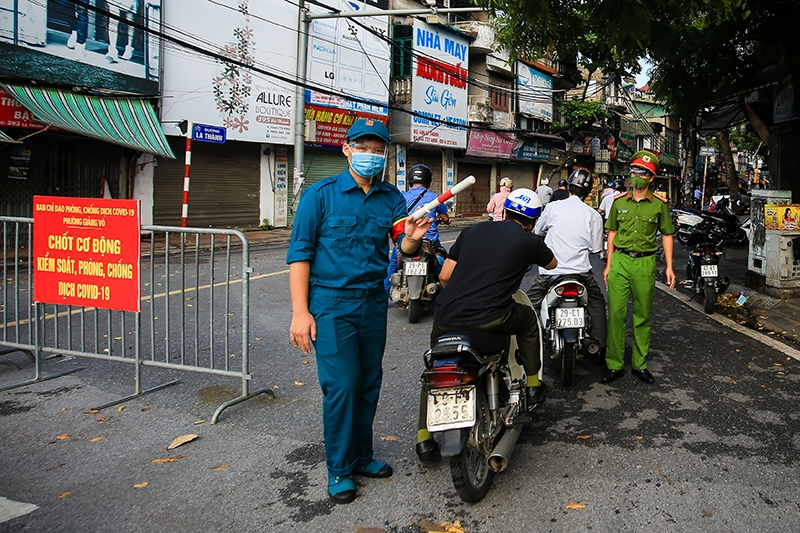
column 661, row 196
column 620, row 195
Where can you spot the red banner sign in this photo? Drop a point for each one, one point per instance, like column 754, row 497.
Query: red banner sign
column 331, row 124
column 15, row 115
column 86, row 252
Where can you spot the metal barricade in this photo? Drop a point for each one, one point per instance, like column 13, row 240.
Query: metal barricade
column 194, row 310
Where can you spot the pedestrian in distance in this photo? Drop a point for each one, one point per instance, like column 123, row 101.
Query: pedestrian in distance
column 561, row 193
column 497, row 201
column 483, row 270
column 544, row 191
column 573, row 230
column 633, row 222
column 337, row 259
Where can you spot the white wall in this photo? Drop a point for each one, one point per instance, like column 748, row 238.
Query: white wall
column 143, row 186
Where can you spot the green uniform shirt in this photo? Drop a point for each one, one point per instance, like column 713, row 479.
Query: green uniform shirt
column 637, row 223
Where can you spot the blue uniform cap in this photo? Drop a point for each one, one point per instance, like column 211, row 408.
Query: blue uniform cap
column 368, row 126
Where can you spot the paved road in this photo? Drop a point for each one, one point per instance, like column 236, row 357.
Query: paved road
column 712, row 446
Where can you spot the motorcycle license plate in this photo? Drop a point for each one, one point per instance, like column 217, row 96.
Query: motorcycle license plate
column 569, row 317
column 451, row 408
column 708, row 271
column 415, row 268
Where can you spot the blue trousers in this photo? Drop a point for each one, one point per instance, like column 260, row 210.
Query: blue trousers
column 351, row 337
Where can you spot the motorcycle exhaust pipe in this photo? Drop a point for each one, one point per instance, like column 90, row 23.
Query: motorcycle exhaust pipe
column 592, row 346
column 498, row 459
column 432, row 288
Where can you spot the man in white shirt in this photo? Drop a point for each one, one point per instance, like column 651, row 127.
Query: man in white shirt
column 614, row 188
column 544, row 191
column 573, row 230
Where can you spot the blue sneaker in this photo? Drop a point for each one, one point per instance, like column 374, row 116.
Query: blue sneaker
column 374, row 469
column 341, row 489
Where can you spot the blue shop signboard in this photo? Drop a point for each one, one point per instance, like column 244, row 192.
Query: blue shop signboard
column 531, row 150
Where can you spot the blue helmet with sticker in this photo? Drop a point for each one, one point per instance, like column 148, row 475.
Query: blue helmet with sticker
column 524, row 202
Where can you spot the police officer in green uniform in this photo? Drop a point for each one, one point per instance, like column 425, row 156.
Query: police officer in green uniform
column 633, row 221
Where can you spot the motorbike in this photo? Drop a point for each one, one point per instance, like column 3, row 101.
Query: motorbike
column 416, row 282
column 476, row 401
column 566, row 323
column 722, row 225
column 703, row 267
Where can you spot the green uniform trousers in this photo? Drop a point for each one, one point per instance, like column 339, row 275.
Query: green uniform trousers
column 636, row 277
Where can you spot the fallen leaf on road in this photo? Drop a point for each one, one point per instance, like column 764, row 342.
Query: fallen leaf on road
column 183, row 439
column 299, row 383
column 64, row 495
column 145, row 409
column 574, row 505
column 62, row 437
column 781, row 373
column 56, row 466
column 258, row 338
column 584, row 436
column 91, row 412
column 275, row 387
column 141, row 485
column 198, row 422
column 441, row 527
column 389, row 437
column 305, row 362
column 169, row 459
column 120, row 408
column 102, row 419
column 639, row 437
column 219, row 467
column 97, row 439
column 778, row 364
column 117, row 338
column 730, row 379
column 63, row 408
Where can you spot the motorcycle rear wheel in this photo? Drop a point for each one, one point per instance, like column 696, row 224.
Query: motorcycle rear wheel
column 682, row 237
column 709, row 300
column 414, row 311
column 470, row 470
column 568, row 357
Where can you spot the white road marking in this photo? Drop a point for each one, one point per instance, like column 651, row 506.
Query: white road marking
column 9, row 509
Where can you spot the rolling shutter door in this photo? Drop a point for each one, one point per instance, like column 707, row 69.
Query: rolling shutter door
column 319, row 164
column 473, row 201
column 223, row 190
column 431, row 159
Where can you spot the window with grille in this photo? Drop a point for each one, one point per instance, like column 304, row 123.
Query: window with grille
column 401, row 51
column 499, row 93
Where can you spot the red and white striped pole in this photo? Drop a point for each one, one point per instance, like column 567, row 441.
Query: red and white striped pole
column 186, row 173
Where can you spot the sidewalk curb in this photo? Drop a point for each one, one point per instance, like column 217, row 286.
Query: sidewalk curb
column 725, row 321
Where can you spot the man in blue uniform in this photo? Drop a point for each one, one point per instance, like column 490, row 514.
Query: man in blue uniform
column 337, row 262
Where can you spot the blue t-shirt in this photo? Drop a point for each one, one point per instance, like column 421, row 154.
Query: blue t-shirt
column 345, row 233
column 412, row 195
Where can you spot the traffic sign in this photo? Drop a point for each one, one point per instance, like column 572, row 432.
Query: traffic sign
column 209, row 134
column 707, row 151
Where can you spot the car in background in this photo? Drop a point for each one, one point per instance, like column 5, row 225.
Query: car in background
column 723, row 192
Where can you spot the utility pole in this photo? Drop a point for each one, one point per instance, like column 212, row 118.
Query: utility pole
column 302, row 54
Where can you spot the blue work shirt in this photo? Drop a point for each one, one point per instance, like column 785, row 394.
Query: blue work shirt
column 411, row 196
column 345, row 233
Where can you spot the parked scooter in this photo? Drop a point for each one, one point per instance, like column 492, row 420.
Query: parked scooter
column 416, row 282
column 722, row 225
column 476, row 400
column 566, row 323
column 703, row 267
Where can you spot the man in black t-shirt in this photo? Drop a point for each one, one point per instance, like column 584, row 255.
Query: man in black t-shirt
column 483, row 270
column 561, row 193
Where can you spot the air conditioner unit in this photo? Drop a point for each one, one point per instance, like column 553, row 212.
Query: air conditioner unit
column 479, row 109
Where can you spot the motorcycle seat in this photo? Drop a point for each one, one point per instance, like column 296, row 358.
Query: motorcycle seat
column 723, row 217
column 483, row 342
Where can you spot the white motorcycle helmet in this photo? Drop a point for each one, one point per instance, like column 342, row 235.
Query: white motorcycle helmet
column 524, row 202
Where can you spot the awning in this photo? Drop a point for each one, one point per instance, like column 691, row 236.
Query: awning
column 6, row 138
column 129, row 122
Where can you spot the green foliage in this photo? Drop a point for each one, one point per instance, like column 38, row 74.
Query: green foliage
column 577, row 113
column 265, row 224
column 743, row 140
column 698, row 47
